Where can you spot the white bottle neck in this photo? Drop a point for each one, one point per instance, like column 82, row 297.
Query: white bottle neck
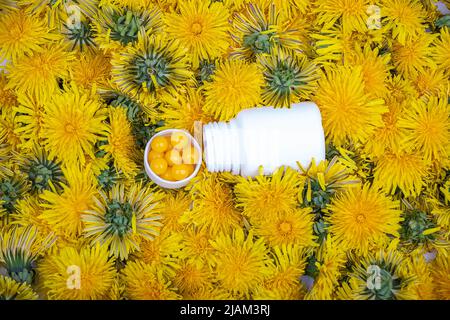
column 222, row 147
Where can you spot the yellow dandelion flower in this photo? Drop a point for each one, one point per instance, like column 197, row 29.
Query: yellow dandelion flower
column 240, row 262
column 212, row 205
column 9, row 124
column 351, row 13
column 121, row 144
column 8, row 97
column 201, row 27
column 30, row 113
column 13, row 186
column 330, row 262
column 38, row 72
column 173, row 207
column 78, row 274
column 258, row 29
column 348, row 113
column 91, row 68
column 73, row 123
column 153, row 67
column 424, row 286
column 145, row 282
column 430, row 82
column 13, row 290
column 122, row 218
column 442, row 50
column 62, row 211
column 235, row 85
column 164, row 252
column 396, row 280
column 404, row 171
column 192, row 277
column 264, row 197
column 428, row 127
column 440, row 271
column 21, row 34
column 185, row 112
column 414, row 55
column 398, row 90
column 404, row 17
column 20, row 248
column 287, row 227
column 333, row 45
column 288, row 78
column 375, row 69
column 197, row 245
column 363, row 217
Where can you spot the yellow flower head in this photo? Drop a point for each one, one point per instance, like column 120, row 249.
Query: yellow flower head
column 362, row 218
column 13, row 290
column 191, row 278
column 78, row 274
column 235, row 85
column 145, row 282
column 440, row 272
column 442, row 50
column 348, row 113
column 73, row 123
column 240, row 262
column 201, row 27
column 21, row 34
column 30, row 113
column 38, row 72
column 428, row 127
column 8, row 97
column 122, row 218
column 91, row 69
column 173, row 207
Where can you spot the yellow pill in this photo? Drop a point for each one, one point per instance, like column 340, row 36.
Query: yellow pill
column 181, row 171
column 179, row 140
column 190, row 155
column 160, row 144
column 152, row 155
column 173, row 156
column 159, row 166
column 167, row 175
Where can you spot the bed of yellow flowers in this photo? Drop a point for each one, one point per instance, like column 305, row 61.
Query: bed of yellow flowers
column 85, row 85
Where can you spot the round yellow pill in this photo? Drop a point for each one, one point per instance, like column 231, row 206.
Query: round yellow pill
column 152, row 155
column 160, row 144
column 190, row 155
column 181, row 171
column 167, row 175
column 159, row 166
column 179, row 140
column 173, row 156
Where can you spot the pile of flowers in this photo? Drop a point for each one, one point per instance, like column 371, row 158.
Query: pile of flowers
column 87, row 83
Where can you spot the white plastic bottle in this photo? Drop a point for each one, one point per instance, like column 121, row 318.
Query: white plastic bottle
column 265, row 136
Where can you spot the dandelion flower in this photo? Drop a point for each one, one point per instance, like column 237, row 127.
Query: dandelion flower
column 38, row 73
column 63, row 210
column 213, row 206
column 154, row 66
column 30, row 113
column 348, row 113
column 19, row 250
column 404, row 17
column 240, row 262
column 80, row 36
column 329, row 265
column 363, row 217
column 428, row 127
column 293, row 227
column 144, row 282
column 258, row 29
column 73, row 123
column 12, row 188
column 13, row 290
column 95, row 270
column 440, row 272
column 404, row 171
column 173, row 208
column 235, row 85
column 120, row 219
column 352, row 14
column 288, row 78
column 91, row 68
column 120, row 142
column 21, row 34
column 192, row 277
column 414, row 55
column 442, row 50
column 424, row 287
column 185, row 112
column 8, row 97
column 396, row 279
column 197, row 245
column 201, row 27
column 430, row 82
column 264, row 197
